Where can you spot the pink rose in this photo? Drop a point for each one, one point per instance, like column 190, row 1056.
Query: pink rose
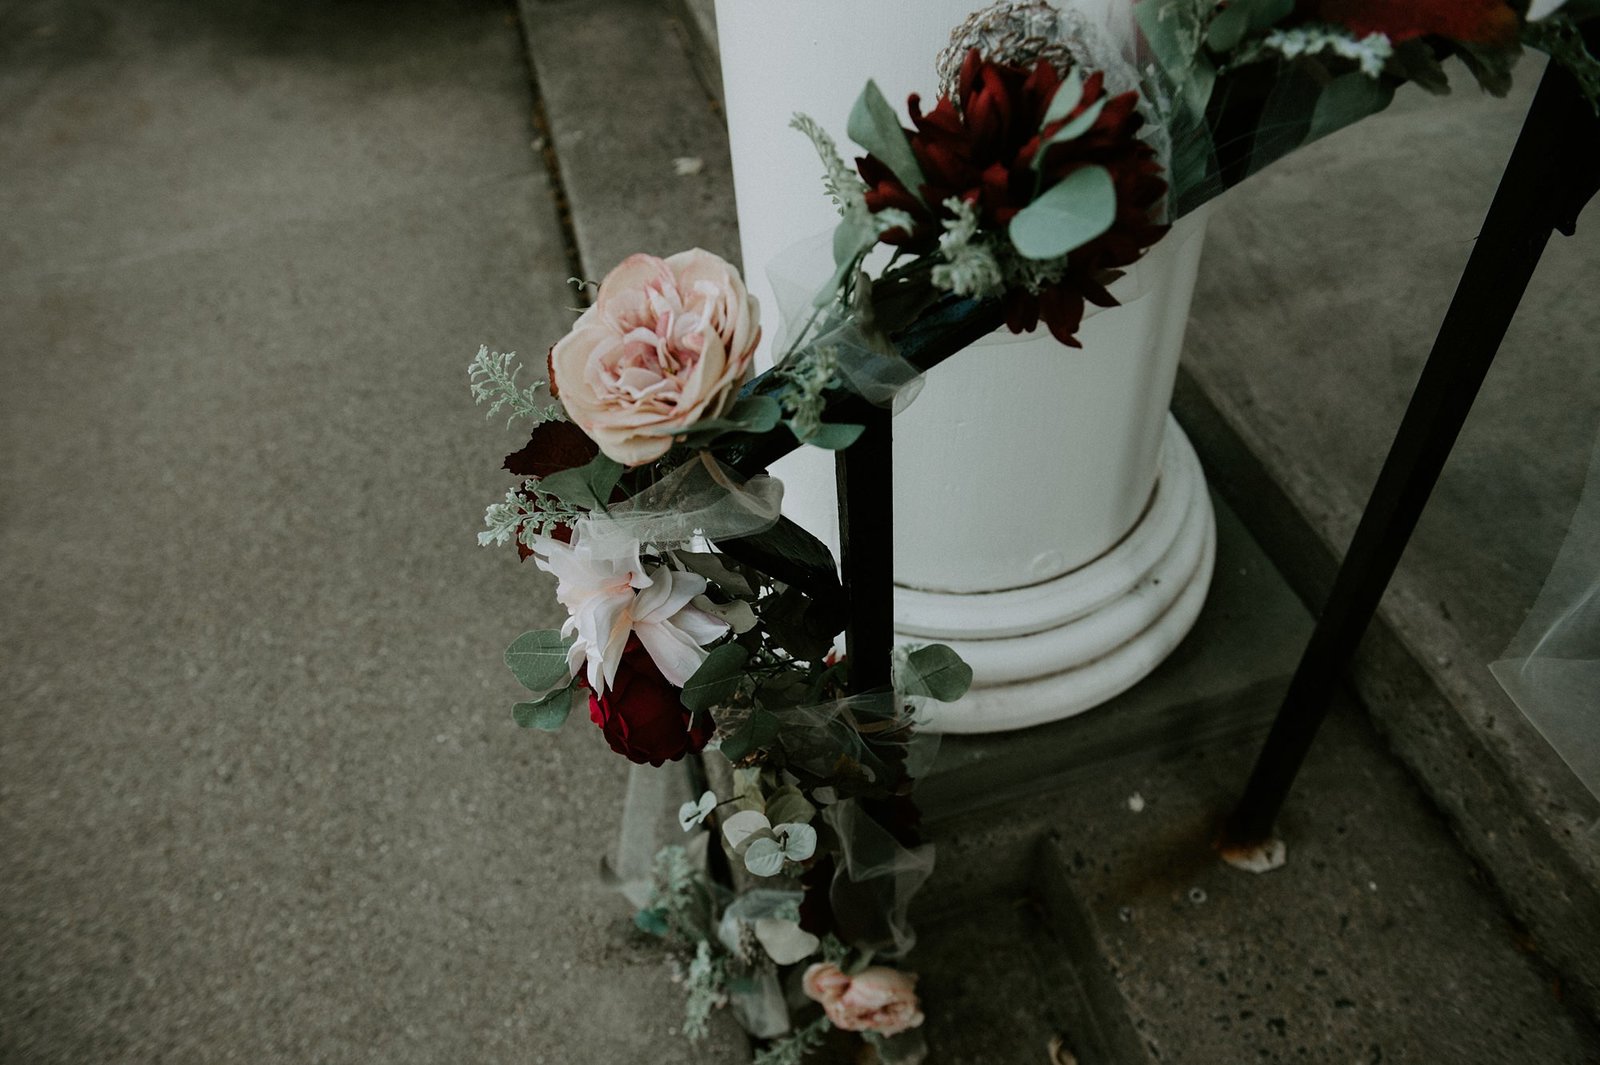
column 667, row 343
column 876, row 999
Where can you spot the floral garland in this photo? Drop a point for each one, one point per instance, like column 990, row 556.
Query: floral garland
column 700, row 617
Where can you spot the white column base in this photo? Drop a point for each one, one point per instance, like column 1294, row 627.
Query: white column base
column 1051, row 650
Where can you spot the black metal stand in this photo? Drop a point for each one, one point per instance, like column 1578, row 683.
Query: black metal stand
column 866, row 550
column 1552, row 173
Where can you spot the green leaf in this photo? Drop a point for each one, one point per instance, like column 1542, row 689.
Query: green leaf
column 752, row 414
column 934, row 671
column 788, row 553
column 851, row 238
column 1069, row 214
column 1066, row 98
column 1242, row 18
column 754, row 732
column 546, row 714
column 874, row 125
column 539, row 659
column 651, row 921
column 1346, row 99
column 717, row 678
column 714, row 568
column 587, row 486
column 1072, row 130
column 788, row 805
column 835, row 436
column 1228, row 28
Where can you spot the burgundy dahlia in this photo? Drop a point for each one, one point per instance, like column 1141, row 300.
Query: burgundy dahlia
column 981, row 150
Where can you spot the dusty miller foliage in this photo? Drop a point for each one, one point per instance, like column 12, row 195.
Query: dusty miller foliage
column 808, row 378
column 793, row 1048
column 494, row 381
column 970, row 267
column 675, row 892
column 707, row 986
column 844, row 188
column 525, row 514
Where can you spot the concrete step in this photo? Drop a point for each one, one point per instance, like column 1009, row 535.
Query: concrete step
column 1378, row 941
column 1323, row 284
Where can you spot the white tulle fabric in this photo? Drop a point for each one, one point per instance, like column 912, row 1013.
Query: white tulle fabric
column 1551, row 670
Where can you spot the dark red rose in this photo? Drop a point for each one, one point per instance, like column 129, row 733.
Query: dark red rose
column 1491, row 22
column 643, row 716
column 981, row 150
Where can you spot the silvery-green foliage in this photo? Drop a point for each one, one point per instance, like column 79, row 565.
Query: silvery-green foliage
column 793, row 1048
column 494, row 381
column 706, row 984
column 808, row 377
column 539, row 518
column 844, row 188
column 970, row 267
column 678, row 894
column 1370, row 52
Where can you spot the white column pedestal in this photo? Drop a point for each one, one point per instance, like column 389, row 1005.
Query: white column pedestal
column 1051, row 523
column 1050, row 650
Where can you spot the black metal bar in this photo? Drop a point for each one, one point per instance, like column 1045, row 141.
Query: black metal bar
column 1551, row 173
column 866, row 550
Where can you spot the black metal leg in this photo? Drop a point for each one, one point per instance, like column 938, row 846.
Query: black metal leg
column 1555, row 162
column 866, row 542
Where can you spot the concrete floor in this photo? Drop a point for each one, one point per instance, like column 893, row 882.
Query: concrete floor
column 261, row 798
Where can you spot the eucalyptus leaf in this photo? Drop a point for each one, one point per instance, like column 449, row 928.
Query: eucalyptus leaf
column 788, row 804
column 1241, row 18
column 695, row 811
column 1228, row 28
column 547, row 714
column 588, row 486
column 784, row 940
column 753, row 733
column 539, row 659
column 934, row 671
column 798, row 841
column 1346, row 99
column 1068, row 95
column 764, row 857
column 714, row 568
column 1072, row 130
column 717, row 678
column 1069, row 214
column 835, row 436
column 874, row 125
column 742, row 825
column 739, row 615
column 752, row 414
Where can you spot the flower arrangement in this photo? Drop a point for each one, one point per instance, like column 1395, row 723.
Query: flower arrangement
column 700, row 617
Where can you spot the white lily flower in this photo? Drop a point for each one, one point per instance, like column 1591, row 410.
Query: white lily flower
column 609, row 596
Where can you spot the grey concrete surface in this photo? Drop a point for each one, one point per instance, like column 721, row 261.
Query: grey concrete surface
column 1324, row 281
column 260, row 795
column 1378, row 942
column 624, row 104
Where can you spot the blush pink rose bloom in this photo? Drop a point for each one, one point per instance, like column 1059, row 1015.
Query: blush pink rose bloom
column 667, row 343
column 877, row 999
